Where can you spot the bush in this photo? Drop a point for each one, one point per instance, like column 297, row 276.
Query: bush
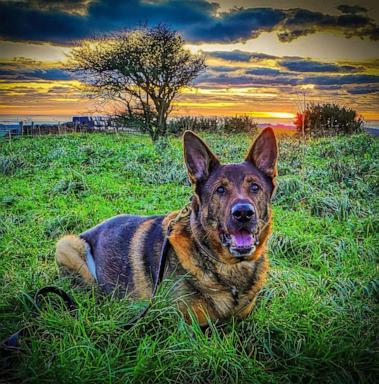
column 234, row 124
column 178, row 125
column 240, row 124
column 328, row 120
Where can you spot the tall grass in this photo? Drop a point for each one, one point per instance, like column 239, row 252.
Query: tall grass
column 315, row 321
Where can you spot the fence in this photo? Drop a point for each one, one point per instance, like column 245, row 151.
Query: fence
column 21, row 129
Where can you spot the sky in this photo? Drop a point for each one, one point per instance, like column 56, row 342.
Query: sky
column 264, row 57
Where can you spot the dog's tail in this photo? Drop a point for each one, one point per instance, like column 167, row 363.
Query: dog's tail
column 71, row 253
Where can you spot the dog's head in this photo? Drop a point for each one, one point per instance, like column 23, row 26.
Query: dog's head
column 233, row 199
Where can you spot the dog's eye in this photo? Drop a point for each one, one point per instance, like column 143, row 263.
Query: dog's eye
column 254, row 187
column 221, row 189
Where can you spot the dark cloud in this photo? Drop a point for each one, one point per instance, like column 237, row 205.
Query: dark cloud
column 22, row 21
column 263, row 72
column 353, row 9
column 327, row 82
column 301, row 65
column 328, row 87
column 237, row 55
column 14, row 72
column 66, row 21
column 246, row 80
column 363, row 90
column 223, row 68
column 239, row 25
column 340, row 80
column 301, row 22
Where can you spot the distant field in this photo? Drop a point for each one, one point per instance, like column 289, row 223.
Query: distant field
column 315, row 321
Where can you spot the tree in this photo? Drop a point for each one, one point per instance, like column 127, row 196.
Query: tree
column 328, row 119
column 143, row 69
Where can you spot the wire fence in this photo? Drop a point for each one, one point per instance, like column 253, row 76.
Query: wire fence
column 31, row 129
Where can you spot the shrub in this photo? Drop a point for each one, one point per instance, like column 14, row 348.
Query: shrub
column 239, row 124
column 178, row 125
column 328, row 119
column 234, row 124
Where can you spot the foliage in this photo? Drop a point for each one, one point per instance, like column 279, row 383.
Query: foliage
column 234, row 124
column 328, row 119
column 143, row 69
column 315, row 321
column 10, row 164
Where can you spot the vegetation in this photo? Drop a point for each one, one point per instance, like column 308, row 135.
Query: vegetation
column 315, row 321
column 142, row 69
column 233, row 124
column 327, row 120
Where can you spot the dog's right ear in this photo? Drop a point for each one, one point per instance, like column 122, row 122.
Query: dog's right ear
column 199, row 159
column 264, row 152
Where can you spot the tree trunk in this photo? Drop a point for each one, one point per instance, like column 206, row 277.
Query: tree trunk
column 162, row 107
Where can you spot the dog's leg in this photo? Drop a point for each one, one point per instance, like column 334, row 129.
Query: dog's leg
column 246, row 311
column 71, row 254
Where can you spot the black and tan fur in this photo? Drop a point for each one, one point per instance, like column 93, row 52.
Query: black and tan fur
column 213, row 281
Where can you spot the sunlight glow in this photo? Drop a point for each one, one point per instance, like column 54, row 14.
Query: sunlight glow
column 275, row 115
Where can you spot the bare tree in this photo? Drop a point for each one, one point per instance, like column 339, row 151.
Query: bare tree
column 143, row 69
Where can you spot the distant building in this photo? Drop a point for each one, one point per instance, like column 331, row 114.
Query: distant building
column 84, row 120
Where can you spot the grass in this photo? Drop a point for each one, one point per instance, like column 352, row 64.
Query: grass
column 315, row 321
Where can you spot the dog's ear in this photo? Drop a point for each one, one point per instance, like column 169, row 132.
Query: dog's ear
column 199, row 159
column 264, row 152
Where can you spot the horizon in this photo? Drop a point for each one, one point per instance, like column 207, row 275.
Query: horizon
column 264, row 57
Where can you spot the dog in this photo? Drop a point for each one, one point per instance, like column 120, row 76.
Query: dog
column 218, row 252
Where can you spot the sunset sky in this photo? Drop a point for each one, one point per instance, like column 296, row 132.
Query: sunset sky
column 264, row 57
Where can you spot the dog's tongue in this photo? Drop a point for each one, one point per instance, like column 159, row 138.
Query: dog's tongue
column 242, row 239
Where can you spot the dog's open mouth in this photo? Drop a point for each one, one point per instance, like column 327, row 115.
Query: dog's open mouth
column 240, row 243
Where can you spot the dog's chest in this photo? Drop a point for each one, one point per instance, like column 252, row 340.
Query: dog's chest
column 233, row 287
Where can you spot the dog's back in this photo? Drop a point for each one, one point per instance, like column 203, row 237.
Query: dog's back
column 122, row 251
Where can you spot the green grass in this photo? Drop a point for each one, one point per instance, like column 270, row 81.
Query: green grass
column 315, row 321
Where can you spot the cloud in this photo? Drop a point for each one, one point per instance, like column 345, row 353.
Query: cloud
column 301, row 22
column 237, row 55
column 264, row 72
column 239, row 25
column 223, row 68
column 328, row 87
column 78, row 7
column 363, row 90
column 24, row 21
column 64, row 22
column 271, row 77
column 246, row 80
column 341, row 80
column 25, row 69
column 303, row 65
column 353, row 9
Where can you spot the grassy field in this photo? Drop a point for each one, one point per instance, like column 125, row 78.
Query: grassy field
column 316, row 320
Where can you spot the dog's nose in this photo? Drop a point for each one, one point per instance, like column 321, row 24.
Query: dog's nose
column 243, row 212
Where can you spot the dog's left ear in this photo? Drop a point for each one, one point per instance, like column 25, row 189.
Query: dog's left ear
column 198, row 157
column 264, row 152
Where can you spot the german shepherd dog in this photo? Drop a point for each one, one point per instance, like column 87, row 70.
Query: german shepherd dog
column 217, row 253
